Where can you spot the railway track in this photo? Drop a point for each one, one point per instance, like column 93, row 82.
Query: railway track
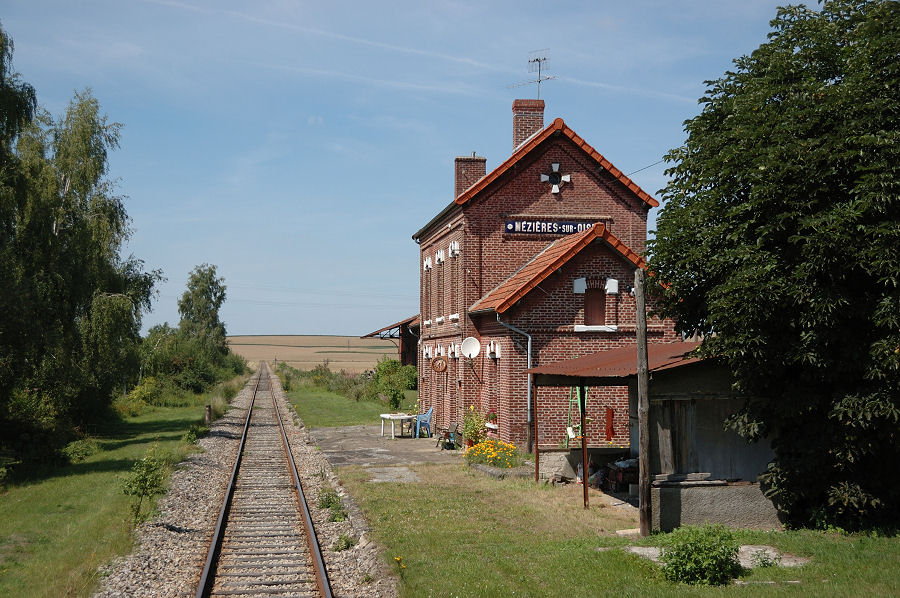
column 264, row 543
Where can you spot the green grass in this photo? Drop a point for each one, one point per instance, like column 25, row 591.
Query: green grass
column 463, row 534
column 319, row 408
column 59, row 526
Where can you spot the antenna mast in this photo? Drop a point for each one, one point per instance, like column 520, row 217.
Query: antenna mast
column 537, row 60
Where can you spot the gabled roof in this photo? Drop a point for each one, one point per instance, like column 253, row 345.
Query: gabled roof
column 615, row 363
column 539, row 138
column 555, row 255
column 523, row 150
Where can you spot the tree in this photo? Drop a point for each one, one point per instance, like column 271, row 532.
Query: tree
column 779, row 241
column 17, row 105
column 199, row 309
column 71, row 303
column 195, row 355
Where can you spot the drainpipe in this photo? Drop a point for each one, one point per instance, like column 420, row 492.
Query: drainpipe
column 530, row 413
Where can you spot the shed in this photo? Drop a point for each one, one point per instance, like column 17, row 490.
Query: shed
column 405, row 335
column 700, row 471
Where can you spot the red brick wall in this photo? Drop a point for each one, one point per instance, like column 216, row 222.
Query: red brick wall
column 549, row 313
column 528, row 119
column 468, row 169
column 587, row 198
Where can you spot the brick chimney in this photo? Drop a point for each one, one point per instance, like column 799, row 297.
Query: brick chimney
column 468, row 170
column 528, row 119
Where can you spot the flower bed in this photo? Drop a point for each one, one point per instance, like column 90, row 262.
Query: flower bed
column 495, row 453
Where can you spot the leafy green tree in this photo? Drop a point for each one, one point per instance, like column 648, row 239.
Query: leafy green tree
column 392, row 378
column 199, row 309
column 779, row 242
column 71, row 303
column 18, row 103
column 194, row 355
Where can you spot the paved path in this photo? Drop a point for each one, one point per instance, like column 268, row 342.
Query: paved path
column 364, row 445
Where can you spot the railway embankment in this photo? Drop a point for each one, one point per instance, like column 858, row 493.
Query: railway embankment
column 171, row 548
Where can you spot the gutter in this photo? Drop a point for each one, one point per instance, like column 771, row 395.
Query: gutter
column 529, row 409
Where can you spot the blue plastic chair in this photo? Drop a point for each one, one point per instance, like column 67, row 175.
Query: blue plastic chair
column 423, row 420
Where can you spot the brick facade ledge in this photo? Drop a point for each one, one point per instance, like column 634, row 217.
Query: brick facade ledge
column 576, row 446
column 579, row 328
column 604, row 328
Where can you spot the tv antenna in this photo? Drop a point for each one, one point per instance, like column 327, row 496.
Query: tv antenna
column 537, row 63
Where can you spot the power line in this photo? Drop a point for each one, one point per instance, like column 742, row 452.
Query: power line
column 646, row 167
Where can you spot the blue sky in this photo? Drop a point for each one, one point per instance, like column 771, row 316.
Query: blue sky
column 298, row 145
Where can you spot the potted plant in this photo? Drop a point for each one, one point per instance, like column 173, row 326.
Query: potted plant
column 473, row 426
column 491, row 417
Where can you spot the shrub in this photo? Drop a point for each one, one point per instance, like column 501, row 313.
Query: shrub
column 705, row 555
column 148, row 391
column 344, row 542
column 473, row 425
column 763, row 559
column 495, row 453
column 196, row 375
column 195, row 432
column 79, row 450
column 229, row 391
column 329, row 499
column 135, row 402
column 146, row 480
column 128, row 406
column 234, row 363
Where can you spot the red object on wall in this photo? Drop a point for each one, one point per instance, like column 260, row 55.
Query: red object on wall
column 609, row 424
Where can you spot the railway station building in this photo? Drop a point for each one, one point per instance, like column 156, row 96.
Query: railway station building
column 535, row 261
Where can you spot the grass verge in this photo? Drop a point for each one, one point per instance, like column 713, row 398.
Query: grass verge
column 463, row 534
column 60, row 524
column 319, row 408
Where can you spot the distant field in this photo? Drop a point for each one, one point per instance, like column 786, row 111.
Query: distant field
column 347, row 353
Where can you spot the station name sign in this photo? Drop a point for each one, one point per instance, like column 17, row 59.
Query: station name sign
column 545, row 227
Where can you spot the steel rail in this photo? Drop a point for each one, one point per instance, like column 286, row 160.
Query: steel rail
column 207, row 577
column 321, row 573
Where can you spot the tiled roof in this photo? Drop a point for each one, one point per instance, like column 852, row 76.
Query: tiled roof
column 557, row 125
column 536, row 140
column 511, row 290
column 621, row 362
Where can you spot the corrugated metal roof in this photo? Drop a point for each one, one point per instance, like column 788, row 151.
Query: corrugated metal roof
column 411, row 321
column 622, row 362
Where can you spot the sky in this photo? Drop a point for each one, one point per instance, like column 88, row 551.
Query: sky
column 298, row 145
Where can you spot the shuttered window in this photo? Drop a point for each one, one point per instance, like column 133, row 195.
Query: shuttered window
column 595, row 307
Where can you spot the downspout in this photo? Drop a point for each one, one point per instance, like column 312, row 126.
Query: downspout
column 530, row 411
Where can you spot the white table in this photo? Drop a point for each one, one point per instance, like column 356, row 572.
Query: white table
column 393, row 417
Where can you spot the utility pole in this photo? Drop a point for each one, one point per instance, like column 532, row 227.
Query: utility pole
column 643, row 410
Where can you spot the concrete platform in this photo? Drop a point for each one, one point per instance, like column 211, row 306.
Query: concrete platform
column 364, row 445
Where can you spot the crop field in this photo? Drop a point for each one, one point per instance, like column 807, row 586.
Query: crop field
column 349, row 353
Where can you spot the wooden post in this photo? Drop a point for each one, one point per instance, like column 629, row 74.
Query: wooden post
column 537, row 455
column 582, row 399
column 208, row 415
column 643, row 401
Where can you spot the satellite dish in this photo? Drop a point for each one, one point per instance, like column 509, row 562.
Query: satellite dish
column 471, row 347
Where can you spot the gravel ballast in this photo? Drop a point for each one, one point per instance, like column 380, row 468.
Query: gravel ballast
column 170, row 550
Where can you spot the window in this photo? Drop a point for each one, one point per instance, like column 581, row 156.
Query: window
column 595, row 306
